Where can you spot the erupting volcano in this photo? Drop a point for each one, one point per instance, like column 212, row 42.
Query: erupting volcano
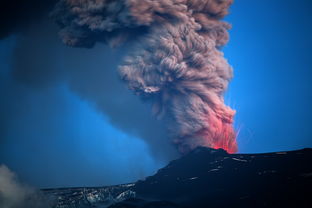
column 176, row 62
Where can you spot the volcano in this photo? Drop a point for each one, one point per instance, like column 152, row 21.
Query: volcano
column 207, row 178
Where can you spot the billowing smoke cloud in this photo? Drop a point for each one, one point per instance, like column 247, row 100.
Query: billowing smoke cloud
column 176, row 63
column 14, row 194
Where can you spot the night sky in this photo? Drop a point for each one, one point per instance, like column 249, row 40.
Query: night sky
column 67, row 120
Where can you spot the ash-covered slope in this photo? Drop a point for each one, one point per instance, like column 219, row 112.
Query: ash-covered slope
column 85, row 197
column 212, row 178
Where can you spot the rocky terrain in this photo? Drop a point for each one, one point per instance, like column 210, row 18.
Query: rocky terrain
column 208, row 178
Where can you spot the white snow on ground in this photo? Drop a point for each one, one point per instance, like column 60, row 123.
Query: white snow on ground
column 193, row 178
column 239, row 159
column 213, row 170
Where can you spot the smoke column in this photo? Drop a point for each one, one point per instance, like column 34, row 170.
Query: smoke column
column 175, row 63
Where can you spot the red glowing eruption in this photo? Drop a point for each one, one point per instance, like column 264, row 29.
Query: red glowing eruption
column 224, row 137
column 221, row 134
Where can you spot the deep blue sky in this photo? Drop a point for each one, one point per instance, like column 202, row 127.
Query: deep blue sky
column 53, row 134
column 272, row 88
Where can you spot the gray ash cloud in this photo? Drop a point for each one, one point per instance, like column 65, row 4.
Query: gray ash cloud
column 175, row 63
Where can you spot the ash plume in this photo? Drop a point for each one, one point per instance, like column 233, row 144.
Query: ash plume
column 176, row 62
column 14, row 194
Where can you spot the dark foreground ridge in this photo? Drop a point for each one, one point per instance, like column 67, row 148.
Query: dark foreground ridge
column 208, row 178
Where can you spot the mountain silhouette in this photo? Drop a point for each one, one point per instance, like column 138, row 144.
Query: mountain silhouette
column 209, row 178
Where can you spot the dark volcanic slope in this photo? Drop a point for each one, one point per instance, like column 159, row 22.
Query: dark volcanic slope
column 212, row 178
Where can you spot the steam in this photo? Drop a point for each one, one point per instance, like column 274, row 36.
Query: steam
column 176, row 63
column 14, row 194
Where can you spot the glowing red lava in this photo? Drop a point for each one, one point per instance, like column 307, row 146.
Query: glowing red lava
column 220, row 134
